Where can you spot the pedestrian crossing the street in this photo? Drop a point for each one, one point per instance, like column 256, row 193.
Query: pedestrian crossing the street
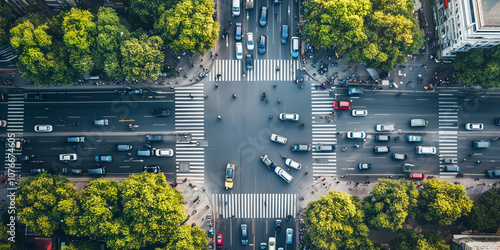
column 324, row 131
column 263, row 70
column 448, row 126
column 255, row 205
column 189, row 120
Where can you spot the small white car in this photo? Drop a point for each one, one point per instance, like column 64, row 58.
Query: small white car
column 250, row 45
column 385, row 127
column 239, row 51
column 359, row 112
column 474, row 126
column 43, row 128
column 293, row 164
column 356, row 135
column 164, row 152
column 289, row 117
column 278, row 138
column 68, row 157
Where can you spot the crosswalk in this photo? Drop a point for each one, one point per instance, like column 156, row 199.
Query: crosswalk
column 263, row 70
column 15, row 123
column 448, row 125
column 189, row 120
column 324, row 131
column 255, row 205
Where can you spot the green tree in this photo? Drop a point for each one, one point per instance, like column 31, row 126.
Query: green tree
column 151, row 208
column 479, row 67
column 408, row 239
column 335, row 23
column 441, row 202
column 79, row 32
column 4, row 241
column 34, row 18
column 188, row 238
column 390, row 202
column 189, row 26
column 485, row 213
column 110, row 35
column 142, row 58
column 147, row 12
column 6, row 19
column 46, row 203
column 335, row 221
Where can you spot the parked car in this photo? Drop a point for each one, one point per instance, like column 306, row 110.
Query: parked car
column 359, row 112
column 33, row 97
column 103, row 158
column 154, row 137
column 263, row 16
column 385, row 127
column 289, row 117
column 250, row 44
column 101, row 122
column 356, row 135
column 43, row 128
column 37, row 170
column 68, row 157
column 262, row 45
column 364, row 166
column 278, row 138
column 161, row 112
column 301, row 147
column 474, row 126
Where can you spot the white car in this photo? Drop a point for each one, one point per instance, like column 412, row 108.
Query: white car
column 359, row 112
column 250, row 45
column 356, row 135
column 68, row 157
column 164, row 152
column 239, row 51
column 293, row 164
column 43, row 128
column 385, row 127
column 474, row 126
column 278, row 138
column 3, row 123
column 289, row 117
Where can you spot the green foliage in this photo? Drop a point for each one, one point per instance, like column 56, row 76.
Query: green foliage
column 79, row 30
column 46, row 203
column 142, row 58
column 34, row 18
column 6, row 18
column 479, row 67
column 335, row 221
column 189, row 26
column 485, row 213
column 188, row 238
column 441, row 202
column 336, row 23
column 4, row 242
column 25, row 37
column 408, row 239
column 147, row 12
column 390, row 203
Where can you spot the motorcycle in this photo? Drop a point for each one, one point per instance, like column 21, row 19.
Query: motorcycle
column 132, row 127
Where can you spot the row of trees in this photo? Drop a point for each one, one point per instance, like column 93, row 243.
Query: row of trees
column 380, row 33
column 480, row 67
column 340, row 221
column 72, row 43
column 142, row 211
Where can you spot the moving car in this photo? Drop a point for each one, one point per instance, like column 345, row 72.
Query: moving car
column 421, row 150
column 289, row 236
column 154, row 137
column 414, row 138
column 3, row 123
column 418, row 122
column 356, row 135
column 399, row 156
column 382, row 149
column 277, row 226
column 262, row 45
column 341, row 105
column 263, row 245
column 33, row 97
column 219, row 240
column 68, row 157
column 22, row 158
column 293, row 164
column 163, row 152
column 249, row 61
column 289, row 117
column 416, row 176
column 250, row 44
column 237, row 34
column 359, row 112
column 239, row 51
column 278, row 138
column 103, row 158
column 382, row 138
column 284, row 34
column 236, row 8
column 133, row 90
column 295, row 47
column 384, row 127
column 152, row 169
column 37, row 170
column 493, row 173
column 407, row 168
column 482, row 144
column 229, row 180
column 301, row 147
column 244, row 236
column 355, row 91
column 43, row 128
column 268, row 162
column 101, row 122
column 325, row 148
column 272, row 243
column 474, row 126
column 161, row 112
column 76, row 171
column 364, row 166
column 75, row 139
column 123, row 147
column 263, row 16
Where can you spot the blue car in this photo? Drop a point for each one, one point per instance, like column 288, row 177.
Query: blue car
column 103, row 158
column 263, row 16
column 101, row 122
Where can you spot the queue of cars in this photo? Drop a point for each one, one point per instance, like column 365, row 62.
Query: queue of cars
column 271, row 243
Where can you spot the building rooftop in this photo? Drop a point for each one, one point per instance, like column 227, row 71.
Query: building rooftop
column 490, row 12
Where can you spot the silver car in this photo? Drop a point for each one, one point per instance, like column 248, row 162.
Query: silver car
column 278, row 138
column 289, row 117
column 43, row 128
column 356, row 135
column 359, row 112
column 293, row 164
column 385, row 127
column 474, row 126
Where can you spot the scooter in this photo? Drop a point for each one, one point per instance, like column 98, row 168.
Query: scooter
column 132, row 127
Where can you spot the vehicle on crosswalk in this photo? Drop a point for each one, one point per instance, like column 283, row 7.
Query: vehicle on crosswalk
column 229, row 180
column 325, row 148
column 341, row 105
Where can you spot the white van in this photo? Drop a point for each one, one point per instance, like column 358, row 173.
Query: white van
column 426, row 150
column 283, row 174
column 294, row 46
column 236, row 8
column 272, row 243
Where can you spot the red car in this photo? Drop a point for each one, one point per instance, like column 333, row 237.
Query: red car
column 417, row 176
column 341, row 105
column 219, row 240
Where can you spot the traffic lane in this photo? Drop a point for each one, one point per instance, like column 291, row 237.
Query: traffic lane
column 487, row 156
column 97, row 94
column 232, row 233
column 48, row 149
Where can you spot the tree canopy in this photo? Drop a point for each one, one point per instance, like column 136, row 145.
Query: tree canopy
column 441, row 202
column 409, row 239
column 6, row 19
column 142, row 58
column 485, row 213
column 390, row 202
column 189, row 26
column 479, row 67
column 335, row 221
column 147, row 12
column 47, row 203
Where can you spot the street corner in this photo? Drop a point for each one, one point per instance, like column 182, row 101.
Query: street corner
column 197, row 205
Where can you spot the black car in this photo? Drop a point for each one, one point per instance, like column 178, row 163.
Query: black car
column 33, row 97
column 161, row 112
column 497, row 121
column 152, row 169
column 277, row 226
column 154, row 137
column 22, row 158
column 262, row 45
column 249, row 61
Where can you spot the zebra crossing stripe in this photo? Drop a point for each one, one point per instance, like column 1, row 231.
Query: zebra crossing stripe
column 264, row 70
column 255, row 205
